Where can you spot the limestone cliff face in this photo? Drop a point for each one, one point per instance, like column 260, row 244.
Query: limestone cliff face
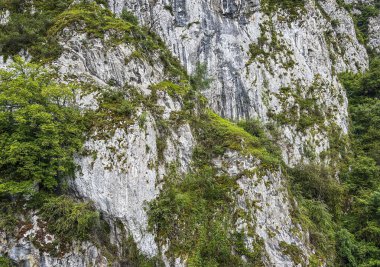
column 263, row 64
column 252, row 54
column 126, row 172
column 122, row 169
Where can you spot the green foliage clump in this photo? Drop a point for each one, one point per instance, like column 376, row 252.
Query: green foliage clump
column 171, row 88
column 199, row 80
column 319, row 195
column 256, row 128
column 293, row 251
column 342, row 217
column 295, row 8
column 129, row 17
column 362, row 19
column 115, row 109
column 303, row 112
column 6, row 262
column 218, row 135
column 317, row 182
column 27, row 28
column 68, row 219
column 40, row 130
column 193, row 213
column 358, row 242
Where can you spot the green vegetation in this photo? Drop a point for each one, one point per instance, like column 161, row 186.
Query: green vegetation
column 6, row 262
column 67, row 218
column 38, row 114
column 301, row 107
column 269, row 47
column 218, row 135
column 193, row 213
column 342, row 215
column 40, row 130
column 319, row 196
column 129, row 17
column 96, row 21
column 199, row 79
column 255, row 128
column 359, row 241
column 27, row 30
column 295, row 8
column 361, row 18
column 293, row 251
column 115, row 109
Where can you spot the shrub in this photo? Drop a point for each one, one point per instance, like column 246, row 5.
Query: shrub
column 6, row 262
column 27, row 30
column 129, row 17
column 68, row 219
column 316, row 182
column 193, row 213
column 40, row 130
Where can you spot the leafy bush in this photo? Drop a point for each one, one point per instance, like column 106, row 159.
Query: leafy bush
column 6, row 262
column 347, row 248
column 316, row 182
column 129, row 17
column 256, row 128
column 199, row 79
column 193, row 212
column 68, row 219
column 358, row 244
column 315, row 217
column 39, row 129
column 27, row 30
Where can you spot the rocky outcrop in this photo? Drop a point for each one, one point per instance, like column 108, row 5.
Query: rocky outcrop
column 33, row 246
column 122, row 171
column 374, row 34
column 251, row 54
column 263, row 64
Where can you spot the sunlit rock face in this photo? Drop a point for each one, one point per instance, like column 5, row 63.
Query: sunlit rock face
column 298, row 52
column 122, row 171
column 265, row 65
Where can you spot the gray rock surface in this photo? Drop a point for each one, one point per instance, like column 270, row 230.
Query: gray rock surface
column 122, row 171
column 374, row 33
column 219, row 34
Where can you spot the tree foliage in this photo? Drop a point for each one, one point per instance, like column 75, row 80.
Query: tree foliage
column 27, row 28
column 40, row 130
column 358, row 243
